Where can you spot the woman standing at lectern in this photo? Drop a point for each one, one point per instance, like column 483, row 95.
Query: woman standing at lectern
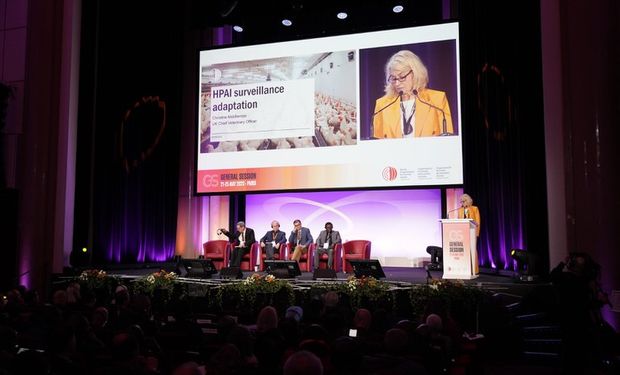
column 469, row 211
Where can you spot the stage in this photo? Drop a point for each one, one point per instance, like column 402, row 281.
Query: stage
column 504, row 284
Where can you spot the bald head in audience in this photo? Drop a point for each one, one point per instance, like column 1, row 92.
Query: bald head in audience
column 303, row 363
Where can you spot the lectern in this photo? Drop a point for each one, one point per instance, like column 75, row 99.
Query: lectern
column 460, row 258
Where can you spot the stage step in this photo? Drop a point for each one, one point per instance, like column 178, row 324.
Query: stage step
column 542, row 345
column 538, row 317
column 541, row 332
column 542, row 357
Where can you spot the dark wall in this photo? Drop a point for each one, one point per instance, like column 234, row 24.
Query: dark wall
column 503, row 126
column 128, row 135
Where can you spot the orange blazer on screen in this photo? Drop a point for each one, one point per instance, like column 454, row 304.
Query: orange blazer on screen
column 472, row 213
column 428, row 120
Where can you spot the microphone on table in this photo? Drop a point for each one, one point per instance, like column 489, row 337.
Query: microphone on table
column 372, row 118
column 443, row 122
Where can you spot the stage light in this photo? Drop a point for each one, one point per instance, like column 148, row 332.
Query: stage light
column 238, row 28
column 342, row 15
column 287, row 22
column 398, row 8
column 84, row 250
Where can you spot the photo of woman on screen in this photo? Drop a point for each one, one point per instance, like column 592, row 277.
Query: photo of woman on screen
column 409, row 108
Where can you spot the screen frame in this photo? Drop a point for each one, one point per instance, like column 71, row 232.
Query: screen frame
column 294, row 38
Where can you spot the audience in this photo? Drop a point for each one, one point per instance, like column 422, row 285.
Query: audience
column 127, row 333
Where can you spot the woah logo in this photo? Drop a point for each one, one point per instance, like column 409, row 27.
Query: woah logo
column 389, row 173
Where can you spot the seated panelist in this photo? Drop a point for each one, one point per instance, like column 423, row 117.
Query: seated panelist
column 300, row 240
column 243, row 238
column 325, row 243
column 273, row 240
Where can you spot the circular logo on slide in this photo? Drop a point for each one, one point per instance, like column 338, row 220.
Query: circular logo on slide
column 389, row 173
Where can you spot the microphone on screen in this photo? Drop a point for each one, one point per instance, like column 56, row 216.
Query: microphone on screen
column 372, row 118
column 444, row 123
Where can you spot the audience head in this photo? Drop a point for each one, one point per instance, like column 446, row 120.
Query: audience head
column 294, row 312
column 188, row 368
column 303, row 363
column 362, row 319
column 331, row 299
column 59, row 299
column 267, row 319
column 100, row 317
column 434, row 322
column 396, row 341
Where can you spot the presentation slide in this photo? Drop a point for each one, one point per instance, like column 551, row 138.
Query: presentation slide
column 377, row 109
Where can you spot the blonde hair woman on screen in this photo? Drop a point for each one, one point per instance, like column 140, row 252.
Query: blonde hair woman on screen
column 410, row 109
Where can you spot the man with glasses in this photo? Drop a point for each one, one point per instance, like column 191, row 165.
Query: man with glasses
column 410, row 109
column 300, row 240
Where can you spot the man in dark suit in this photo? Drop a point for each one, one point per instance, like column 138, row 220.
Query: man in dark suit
column 243, row 239
column 325, row 243
column 273, row 240
column 300, row 240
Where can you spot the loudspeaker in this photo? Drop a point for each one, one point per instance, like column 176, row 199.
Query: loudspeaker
column 282, row 268
column 231, row 273
column 324, row 273
column 196, row 268
column 367, row 267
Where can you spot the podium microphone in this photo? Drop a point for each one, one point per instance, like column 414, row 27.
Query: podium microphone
column 443, row 123
column 372, row 118
column 449, row 212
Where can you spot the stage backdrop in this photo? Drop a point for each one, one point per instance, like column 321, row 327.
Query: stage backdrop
column 400, row 223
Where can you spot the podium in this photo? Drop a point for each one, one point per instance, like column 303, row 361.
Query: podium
column 460, row 257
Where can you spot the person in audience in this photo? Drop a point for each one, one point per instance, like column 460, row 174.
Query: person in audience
column 299, row 240
column 273, row 240
column 243, row 238
column 325, row 243
column 188, row 368
column 267, row 319
column 294, row 312
column 409, row 108
column 303, row 363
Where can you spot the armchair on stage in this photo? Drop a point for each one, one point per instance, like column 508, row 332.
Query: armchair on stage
column 305, row 262
column 277, row 255
column 460, row 256
column 324, row 258
column 356, row 249
column 217, row 251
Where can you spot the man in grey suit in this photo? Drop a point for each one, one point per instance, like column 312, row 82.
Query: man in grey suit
column 326, row 242
column 300, row 239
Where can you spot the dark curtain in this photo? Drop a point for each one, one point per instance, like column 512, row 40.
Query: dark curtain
column 503, row 136
column 128, row 136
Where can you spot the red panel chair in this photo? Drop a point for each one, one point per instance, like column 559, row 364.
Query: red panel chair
column 305, row 262
column 248, row 261
column 357, row 249
column 277, row 255
column 337, row 258
column 217, row 251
